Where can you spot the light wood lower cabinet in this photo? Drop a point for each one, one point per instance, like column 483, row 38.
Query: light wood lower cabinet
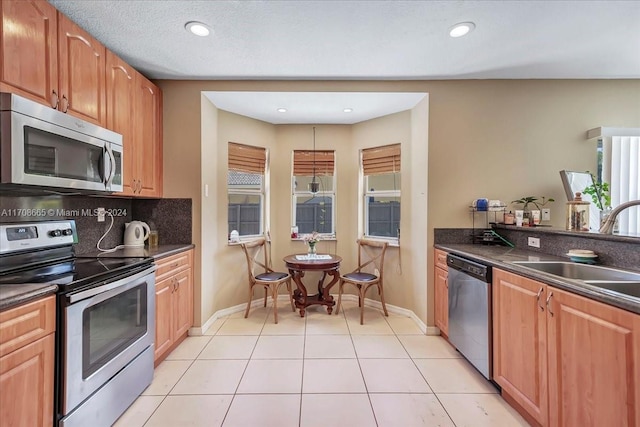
column 564, row 359
column 441, row 292
column 519, row 341
column 174, row 302
column 27, row 364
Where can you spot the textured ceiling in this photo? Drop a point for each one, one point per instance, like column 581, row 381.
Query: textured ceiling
column 368, row 40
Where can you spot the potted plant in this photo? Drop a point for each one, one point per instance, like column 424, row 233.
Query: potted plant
column 601, row 197
column 532, row 216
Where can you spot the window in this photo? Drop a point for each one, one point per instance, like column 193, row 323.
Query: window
column 381, row 173
column 619, row 165
column 246, row 189
column 314, row 212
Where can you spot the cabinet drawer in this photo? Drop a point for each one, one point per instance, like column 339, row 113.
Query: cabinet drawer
column 173, row 264
column 441, row 259
column 27, row 323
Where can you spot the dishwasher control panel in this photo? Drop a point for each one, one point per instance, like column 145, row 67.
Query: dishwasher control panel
column 472, row 268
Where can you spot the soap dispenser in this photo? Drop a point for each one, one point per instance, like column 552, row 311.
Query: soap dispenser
column 578, row 214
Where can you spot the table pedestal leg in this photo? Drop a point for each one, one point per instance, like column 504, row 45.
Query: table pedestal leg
column 302, row 299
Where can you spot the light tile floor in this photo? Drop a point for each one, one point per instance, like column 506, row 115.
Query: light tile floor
column 316, row 371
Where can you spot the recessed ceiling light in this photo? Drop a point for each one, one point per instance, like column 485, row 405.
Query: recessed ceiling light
column 461, row 29
column 348, row 110
column 282, row 110
column 198, row 28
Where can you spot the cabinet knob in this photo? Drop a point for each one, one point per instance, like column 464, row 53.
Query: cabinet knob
column 66, row 104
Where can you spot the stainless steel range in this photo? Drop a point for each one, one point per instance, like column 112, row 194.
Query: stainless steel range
column 105, row 319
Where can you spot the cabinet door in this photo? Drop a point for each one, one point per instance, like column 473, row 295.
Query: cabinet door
column 441, row 296
column 120, row 94
column 26, row 385
column 594, row 363
column 519, row 337
column 164, row 316
column 82, row 73
column 149, row 138
column 29, row 41
column 183, row 302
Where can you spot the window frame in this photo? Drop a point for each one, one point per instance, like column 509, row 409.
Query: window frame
column 367, row 193
column 261, row 192
column 331, row 194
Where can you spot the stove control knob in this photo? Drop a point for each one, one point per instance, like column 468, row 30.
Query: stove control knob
column 55, row 233
column 67, row 232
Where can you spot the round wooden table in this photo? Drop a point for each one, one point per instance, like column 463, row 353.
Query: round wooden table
column 328, row 266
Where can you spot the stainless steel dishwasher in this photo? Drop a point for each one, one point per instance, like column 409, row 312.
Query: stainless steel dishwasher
column 470, row 311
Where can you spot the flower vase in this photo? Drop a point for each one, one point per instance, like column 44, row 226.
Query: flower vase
column 604, row 215
column 312, row 250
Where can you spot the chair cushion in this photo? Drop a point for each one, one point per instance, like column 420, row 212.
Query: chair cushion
column 361, row 277
column 271, row 277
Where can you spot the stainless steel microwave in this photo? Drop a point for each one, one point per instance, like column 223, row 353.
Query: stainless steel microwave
column 44, row 148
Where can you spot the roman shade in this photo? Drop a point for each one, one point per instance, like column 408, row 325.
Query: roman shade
column 377, row 160
column 245, row 158
column 303, row 161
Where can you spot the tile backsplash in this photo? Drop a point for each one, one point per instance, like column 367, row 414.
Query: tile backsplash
column 171, row 217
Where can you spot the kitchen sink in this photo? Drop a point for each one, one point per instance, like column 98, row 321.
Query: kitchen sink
column 612, row 279
column 584, row 272
column 631, row 288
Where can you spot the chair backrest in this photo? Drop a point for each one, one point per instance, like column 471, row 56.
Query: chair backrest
column 371, row 252
column 251, row 251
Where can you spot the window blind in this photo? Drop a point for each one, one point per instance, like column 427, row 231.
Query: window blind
column 245, row 158
column 385, row 159
column 621, row 166
column 303, row 161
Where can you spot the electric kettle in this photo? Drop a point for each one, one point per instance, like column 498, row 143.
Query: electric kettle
column 135, row 233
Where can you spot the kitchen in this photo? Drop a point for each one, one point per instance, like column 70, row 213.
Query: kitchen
column 503, row 131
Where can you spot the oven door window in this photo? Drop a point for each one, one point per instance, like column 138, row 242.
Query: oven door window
column 58, row 156
column 111, row 326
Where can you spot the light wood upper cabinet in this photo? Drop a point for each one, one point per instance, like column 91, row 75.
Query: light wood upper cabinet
column 148, row 144
column 441, row 292
column 121, row 91
column 29, row 41
column 134, row 109
column 51, row 60
column 565, row 359
column 82, row 72
column 594, row 363
column 519, row 341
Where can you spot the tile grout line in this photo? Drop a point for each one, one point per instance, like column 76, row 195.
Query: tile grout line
column 176, row 383
column 235, row 393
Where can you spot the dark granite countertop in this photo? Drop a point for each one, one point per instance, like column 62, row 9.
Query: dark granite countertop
column 14, row 295
column 502, row 257
column 159, row 252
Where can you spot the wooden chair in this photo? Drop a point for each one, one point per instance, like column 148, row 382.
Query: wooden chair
column 269, row 279
column 374, row 251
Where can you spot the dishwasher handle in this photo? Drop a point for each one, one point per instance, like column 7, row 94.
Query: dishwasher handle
column 472, row 268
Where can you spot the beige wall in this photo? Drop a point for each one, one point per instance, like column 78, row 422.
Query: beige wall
column 495, row 139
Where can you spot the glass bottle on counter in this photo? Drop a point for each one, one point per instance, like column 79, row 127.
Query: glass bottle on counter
column 153, row 236
column 578, row 214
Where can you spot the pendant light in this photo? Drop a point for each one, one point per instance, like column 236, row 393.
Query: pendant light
column 313, row 185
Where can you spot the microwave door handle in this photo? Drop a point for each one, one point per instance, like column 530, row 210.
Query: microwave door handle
column 112, row 166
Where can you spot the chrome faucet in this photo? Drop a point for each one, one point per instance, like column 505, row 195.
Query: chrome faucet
column 607, row 226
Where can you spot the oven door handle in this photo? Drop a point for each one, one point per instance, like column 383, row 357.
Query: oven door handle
column 109, row 286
